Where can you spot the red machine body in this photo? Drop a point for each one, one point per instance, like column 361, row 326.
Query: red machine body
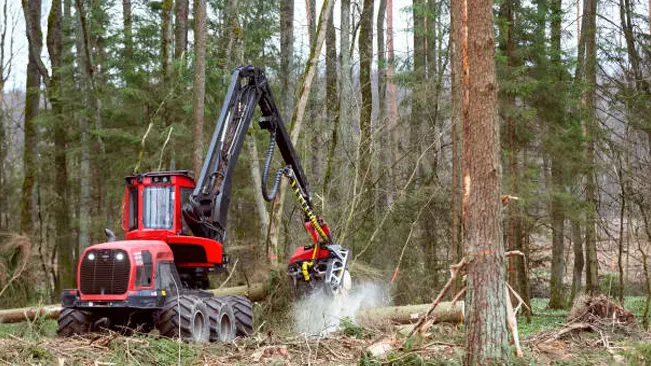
column 132, row 253
column 152, row 211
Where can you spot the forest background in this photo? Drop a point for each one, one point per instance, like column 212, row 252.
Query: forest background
column 113, row 88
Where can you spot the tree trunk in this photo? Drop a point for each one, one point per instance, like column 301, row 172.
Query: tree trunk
column 419, row 95
column 557, row 288
column 591, row 128
column 257, row 182
column 166, row 41
column 199, row 81
column 63, row 242
column 332, row 97
column 577, row 273
column 296, row 124
column 180, row 28
column 85, row 201
column 486, row 334
column 365, row 143
column 32, row 11
column 311, row 19
column 383, row 142
column 127, row 23
column 347, row 89
column 381, row 61
column 286, row 57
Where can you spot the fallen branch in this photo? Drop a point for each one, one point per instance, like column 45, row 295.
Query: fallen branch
column 454, row 271
column 512, row 323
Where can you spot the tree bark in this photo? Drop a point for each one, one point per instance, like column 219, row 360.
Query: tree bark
column 486, row 334
column 345, row 79
column 364, row 173
column 85, row 201
column 180, row 28
column 166, row 41
column 591, row 128
column 199, row 81
column 381, row 61
column 419, row 94
column 577, row 272
column 445, row 312
column 127, row 23
column 286, row 57
column 32, row 11
column 311, row 19
column 332, row 97
column 557, row 288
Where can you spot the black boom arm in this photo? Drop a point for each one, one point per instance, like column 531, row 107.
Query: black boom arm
column 205, row 212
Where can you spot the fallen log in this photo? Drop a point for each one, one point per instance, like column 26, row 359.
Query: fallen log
column 255, row 291
column 23, row 314
column 445, row 312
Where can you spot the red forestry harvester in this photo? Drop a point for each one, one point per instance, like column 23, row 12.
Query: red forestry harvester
column 175, row 227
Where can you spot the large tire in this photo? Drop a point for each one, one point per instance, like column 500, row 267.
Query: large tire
column 188, row 314
column 223, row 324
column 243, row 310
column 73, row 321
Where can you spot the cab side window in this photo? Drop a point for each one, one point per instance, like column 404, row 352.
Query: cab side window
column 168, row 277
column 145, row 272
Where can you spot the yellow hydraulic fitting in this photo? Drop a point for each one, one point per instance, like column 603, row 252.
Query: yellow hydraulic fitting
column 307, row 265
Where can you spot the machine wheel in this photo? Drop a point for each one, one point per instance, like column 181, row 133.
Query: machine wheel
column 73, row 321
column 222, row 319
column 243, row 310
column 185, row 313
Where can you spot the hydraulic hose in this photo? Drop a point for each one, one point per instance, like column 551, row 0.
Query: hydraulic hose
column 265, row 172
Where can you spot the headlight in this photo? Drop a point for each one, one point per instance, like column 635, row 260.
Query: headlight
column 91, row 256
column 119, row 256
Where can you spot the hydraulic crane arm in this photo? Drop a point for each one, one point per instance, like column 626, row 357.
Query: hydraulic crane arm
column 206, row 211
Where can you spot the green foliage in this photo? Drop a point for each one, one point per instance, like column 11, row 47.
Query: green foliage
column 351, row 329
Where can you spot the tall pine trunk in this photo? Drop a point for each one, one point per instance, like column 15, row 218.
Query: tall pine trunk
column 365, row 61
column 332, row 97
column 180, row 28
column 486, row 335
column 199, row 81
column 32, row 11
column 286, row 58
column 63, row 240
column 591, row 130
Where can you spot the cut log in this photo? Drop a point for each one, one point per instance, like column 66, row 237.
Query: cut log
column 445, row 312
column 255, row 291
column 23, row 314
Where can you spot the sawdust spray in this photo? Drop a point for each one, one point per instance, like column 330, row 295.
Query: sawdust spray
column 319, row 314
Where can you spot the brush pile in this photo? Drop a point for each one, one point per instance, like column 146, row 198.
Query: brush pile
column 600, row 311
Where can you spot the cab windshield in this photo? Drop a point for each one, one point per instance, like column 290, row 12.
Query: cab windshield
column 158, row 206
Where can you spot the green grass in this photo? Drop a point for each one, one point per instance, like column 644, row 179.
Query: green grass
column 30, row 330
column 542, row 320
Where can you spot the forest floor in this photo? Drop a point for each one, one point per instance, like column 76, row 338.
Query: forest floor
column 34, row 344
